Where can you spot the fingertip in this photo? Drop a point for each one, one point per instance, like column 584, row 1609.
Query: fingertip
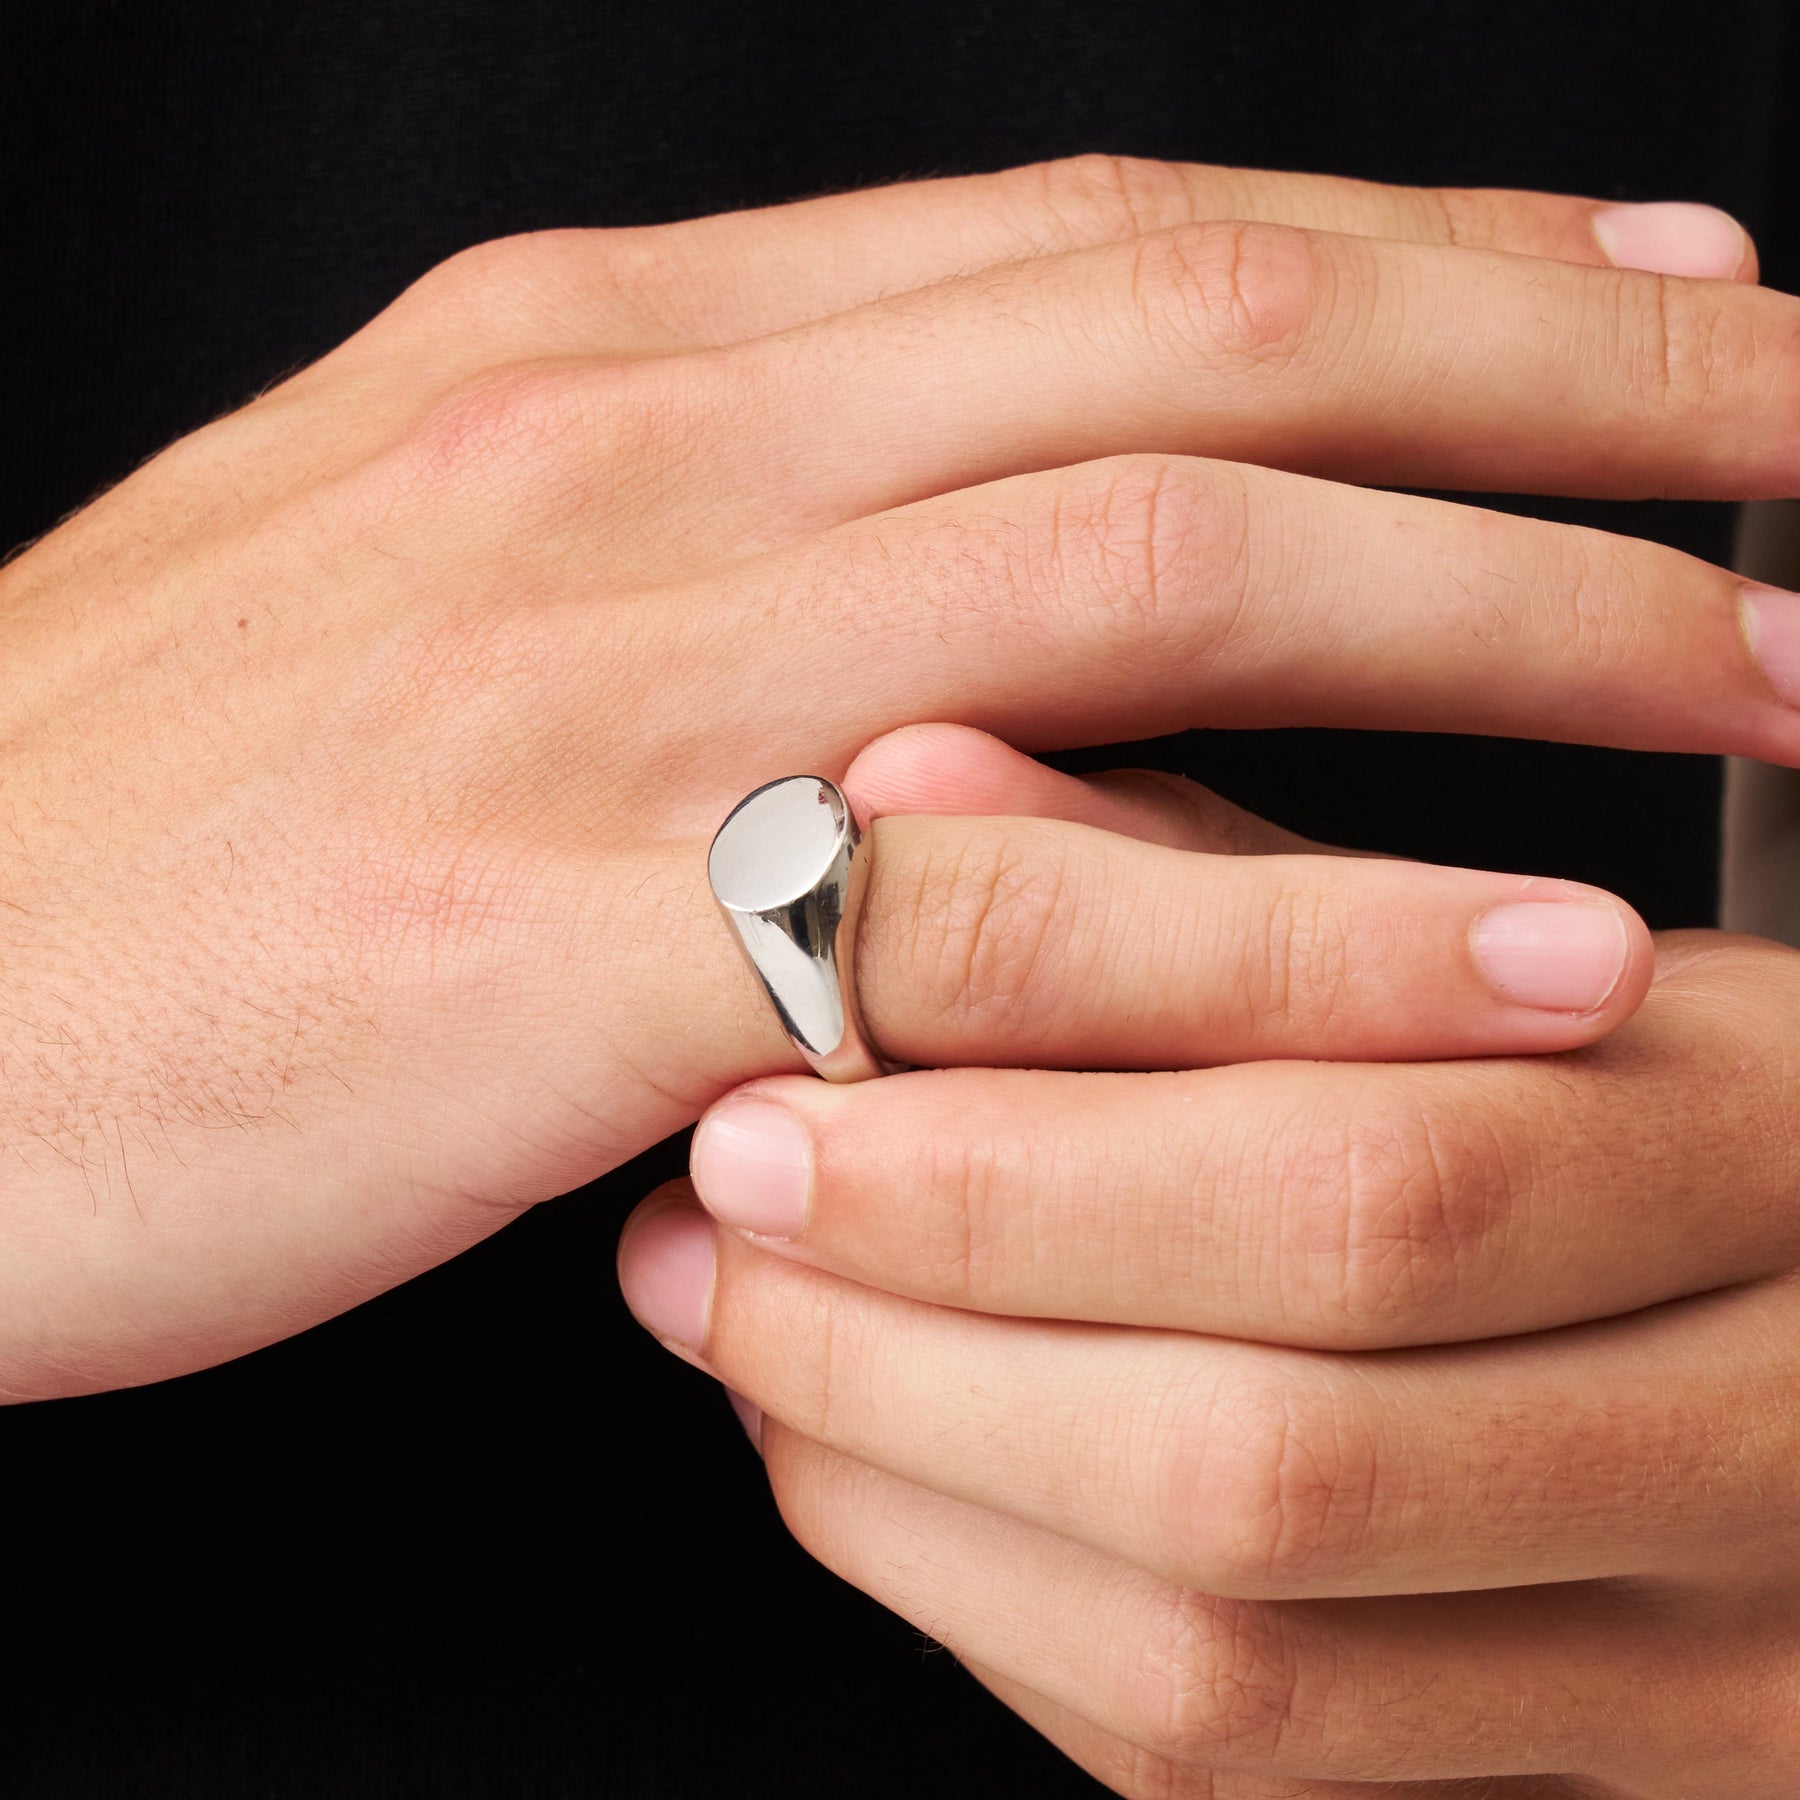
column 1676, row 237
column 948, row 769
column 668, row 1267
column 752, row 1163
column 1570, row 965
column 955, row 770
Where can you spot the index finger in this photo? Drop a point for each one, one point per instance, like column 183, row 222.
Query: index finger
column 722, row 279
column 1339, row 1207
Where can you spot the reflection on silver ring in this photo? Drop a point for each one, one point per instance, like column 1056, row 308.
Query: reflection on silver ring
column 788, row 868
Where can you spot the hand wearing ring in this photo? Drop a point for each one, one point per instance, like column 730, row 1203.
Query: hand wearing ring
column 455, row 649
column 788, row 870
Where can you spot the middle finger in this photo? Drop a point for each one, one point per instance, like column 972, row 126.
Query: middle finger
column 1361, row 358
column 1142, row 595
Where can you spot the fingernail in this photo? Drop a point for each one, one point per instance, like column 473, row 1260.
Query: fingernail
column 1672, row 237
column 1561, row 955
column 749, row 1416
column 666, row 1270
column 1772, row 624
column 752, row 1167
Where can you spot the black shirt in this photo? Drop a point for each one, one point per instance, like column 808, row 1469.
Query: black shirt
column 482, row 1537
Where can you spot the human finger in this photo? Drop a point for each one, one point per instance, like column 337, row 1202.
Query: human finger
column 1144, row 595
column 954, row 770
column 1359, row 358
column 1418, row 1688
column 1036, row 942
column 1139, row 1774
column 1347, row 1208
column 1006, row 943
column 737, row 275
column 730, row 276
column 1647, row 1447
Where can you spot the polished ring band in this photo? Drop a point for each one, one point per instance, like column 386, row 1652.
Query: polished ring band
column 788, row 868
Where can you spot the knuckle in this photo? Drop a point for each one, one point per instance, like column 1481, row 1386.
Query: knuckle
column 1214, row 1681
column 1097, row 196
column 966, row 1251
column 978, row 926
column 481, row 276
column 1139, row 1774
column 1401, row 1213
column 1517, row 220
column 1292, row 966
column 1601, row 603
column 527, row 278
column 496, row 428
column 1511, row 219
column 1610, row 615
column 530, row 286
column 1125, row 536
column 1243, row 296
column 542, row 441
column 1272, row 1498
column 464, row 290
column 1465, row 216
column 1689, row 351
column 823, row 1385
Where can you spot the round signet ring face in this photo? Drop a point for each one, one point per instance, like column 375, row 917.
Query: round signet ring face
column 788, row 868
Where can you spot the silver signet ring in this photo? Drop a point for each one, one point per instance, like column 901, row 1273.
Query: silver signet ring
column 788, row 868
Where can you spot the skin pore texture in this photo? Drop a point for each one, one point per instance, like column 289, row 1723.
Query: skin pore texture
column 1312, row 1318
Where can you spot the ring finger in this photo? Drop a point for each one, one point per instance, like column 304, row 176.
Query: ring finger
column 1039, row 943
column 1426, row 1688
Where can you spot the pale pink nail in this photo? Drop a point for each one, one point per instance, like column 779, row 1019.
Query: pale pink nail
column 1772, row 624
column 667, row 1268
column 1561, row 955
column 1672, row 237
column 752, row 1167
column 749, row 1416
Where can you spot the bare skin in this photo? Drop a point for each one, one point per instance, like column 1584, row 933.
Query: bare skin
column 1294, row 1431
column 359, row 751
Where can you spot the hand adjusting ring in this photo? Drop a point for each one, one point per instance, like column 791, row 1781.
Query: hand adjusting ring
column 788, row 868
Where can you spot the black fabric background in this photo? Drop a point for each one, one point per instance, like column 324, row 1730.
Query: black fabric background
column 481, row 1538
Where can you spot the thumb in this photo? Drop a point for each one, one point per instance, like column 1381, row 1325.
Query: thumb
column 953, row 769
